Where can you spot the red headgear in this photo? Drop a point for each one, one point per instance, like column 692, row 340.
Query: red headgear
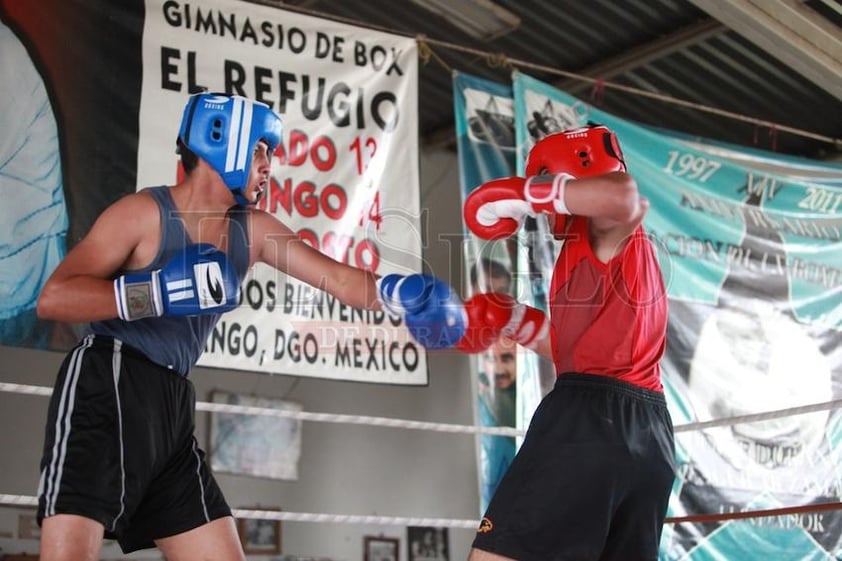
column 583, row 152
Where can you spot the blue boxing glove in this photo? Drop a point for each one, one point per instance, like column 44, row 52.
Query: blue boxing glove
column 196, row 280
column 434, row 313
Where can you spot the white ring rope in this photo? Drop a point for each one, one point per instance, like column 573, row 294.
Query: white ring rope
column 305, row 416
column 18, row 500
column 354, row 519
column 765, row 416
column 445, row 427
column 23, row 500
column 354, row 419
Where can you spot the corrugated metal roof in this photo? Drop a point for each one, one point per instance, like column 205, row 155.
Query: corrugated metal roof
column 666, row 47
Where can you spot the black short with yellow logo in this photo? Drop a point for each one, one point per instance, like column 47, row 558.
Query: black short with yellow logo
column 592, row 479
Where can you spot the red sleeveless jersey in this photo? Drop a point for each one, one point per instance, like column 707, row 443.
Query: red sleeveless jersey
column 608, row 318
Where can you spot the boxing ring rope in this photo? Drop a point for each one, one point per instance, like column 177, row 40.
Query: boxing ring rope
column 445, row 427
column 305, row 416
column 30, row 501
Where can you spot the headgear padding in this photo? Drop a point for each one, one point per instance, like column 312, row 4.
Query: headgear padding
column 584, row 152
column 224, row 129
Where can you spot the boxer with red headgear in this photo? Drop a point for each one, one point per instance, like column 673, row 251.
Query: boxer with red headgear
column 595, row 471
column 574, row 154
column 497, row 208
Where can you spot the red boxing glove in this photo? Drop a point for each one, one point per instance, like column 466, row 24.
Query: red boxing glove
column 497, row 208
column 493, row 314
column 527, row 325
column 487, row 314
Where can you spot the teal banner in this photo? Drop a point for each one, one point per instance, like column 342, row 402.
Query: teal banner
column 750, row 244
column 484, row 118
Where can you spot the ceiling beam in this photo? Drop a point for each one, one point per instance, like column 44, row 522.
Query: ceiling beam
column 611, row 67
column 644, row 54
column 788, row 30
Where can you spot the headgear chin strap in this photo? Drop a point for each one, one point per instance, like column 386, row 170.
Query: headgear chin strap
column 224, row 129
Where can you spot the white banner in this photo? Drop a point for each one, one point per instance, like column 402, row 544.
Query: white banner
column 345, row 176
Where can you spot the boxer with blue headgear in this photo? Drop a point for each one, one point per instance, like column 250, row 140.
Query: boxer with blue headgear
column 151, row 280
column 223, row 130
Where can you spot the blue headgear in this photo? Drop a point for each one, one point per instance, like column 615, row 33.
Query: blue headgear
column 224, row 129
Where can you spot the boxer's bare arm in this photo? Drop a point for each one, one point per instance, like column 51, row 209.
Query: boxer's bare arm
column 281, row 248
column 81, row 289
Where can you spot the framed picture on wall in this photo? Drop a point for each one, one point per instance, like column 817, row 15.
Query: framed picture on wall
column 258, row 445
column 379, row 548
column 427, row 543
column 259, row 535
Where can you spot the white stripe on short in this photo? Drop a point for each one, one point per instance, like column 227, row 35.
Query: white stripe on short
column 116, row 364
column 55, row 470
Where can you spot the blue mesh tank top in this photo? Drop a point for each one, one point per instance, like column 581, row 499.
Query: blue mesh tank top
column 177, row 342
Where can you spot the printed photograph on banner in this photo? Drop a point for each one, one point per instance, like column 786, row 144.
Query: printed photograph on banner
column 752, row 306
column 538, row 114
column 496, row 369
column 485, row 131
column 490, row 118
column 34, row 217
column 753, row 331
column 545, row 116
column 55, row 148
column 344, row 178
